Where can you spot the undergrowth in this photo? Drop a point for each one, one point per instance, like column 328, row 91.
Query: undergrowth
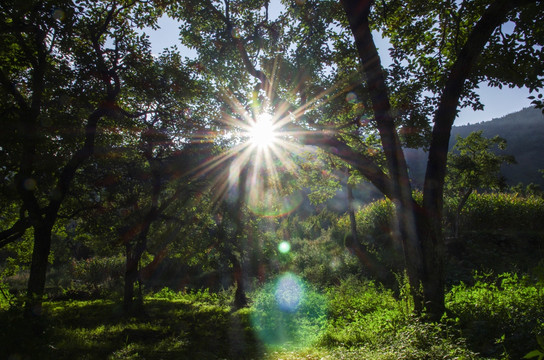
column 496, row 317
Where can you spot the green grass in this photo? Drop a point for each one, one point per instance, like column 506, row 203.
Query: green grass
column 497, row 317
column 169, row 329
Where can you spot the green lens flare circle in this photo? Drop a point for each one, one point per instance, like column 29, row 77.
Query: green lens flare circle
column 284, row 247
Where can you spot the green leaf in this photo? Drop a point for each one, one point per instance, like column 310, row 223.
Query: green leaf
column 533, row 354
column 540, row 340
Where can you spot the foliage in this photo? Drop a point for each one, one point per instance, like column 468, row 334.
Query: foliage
column 499, row 314
column 472, row 164
column 288, row 312
column 6, row 298
column 361, row 312
column 322, row 261
column 369, row 322
column 108, row 145
column 376, row 229
column 196, row 296
column 497, row 317
column 503, row 211
column 538, row 353
column 98, row 330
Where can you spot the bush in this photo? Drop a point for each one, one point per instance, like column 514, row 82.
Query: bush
column 501, row 211
column 361, row 313
column 6, row 298
column 376, row 229
column 97, row 277
column 322, row 262
column 204, row 296
column 499, row 315
column 369, row 322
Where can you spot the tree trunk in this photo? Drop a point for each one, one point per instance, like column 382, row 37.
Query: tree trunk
column 421, row 236
column 460, row 207
column 351, row 210
column 38, row 269
column 240, row 298
column 131, row 275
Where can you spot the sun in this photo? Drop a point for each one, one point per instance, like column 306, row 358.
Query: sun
column 262, row 133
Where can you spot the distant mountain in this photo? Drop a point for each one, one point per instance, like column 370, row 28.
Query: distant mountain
column 524, row 133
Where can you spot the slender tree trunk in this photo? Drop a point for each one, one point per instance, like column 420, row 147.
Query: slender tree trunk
column 132, row 272
column 38, row 269
column 131, row 275
column 134, row 252
column 460, row 207
column 351, row 211
column 240, row 299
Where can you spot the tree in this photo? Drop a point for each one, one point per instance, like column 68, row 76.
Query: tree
column 472, row 165
column 60, row 81
column 313, row 55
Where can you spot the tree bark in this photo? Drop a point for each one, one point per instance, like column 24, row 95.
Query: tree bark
column 38, row 270
column 240, row 299
column 421, row 226
column 351, row 210
column 400, row 192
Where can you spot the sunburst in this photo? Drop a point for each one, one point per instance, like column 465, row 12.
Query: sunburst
column 263, row 132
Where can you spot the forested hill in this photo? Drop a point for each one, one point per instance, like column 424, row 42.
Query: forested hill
column 524, row 133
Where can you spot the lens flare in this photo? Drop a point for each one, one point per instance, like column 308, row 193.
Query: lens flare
column 289, row 291
column 262, row 133
column 289, row 313
column 284, row 247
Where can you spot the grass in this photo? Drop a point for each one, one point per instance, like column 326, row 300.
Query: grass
column 169, row 329
column 495, row 318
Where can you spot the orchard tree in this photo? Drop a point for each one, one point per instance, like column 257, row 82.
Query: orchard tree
column 62, row 77
column 317, row 68
column 473, row 165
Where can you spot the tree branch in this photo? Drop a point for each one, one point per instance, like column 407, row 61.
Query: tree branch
column 69, row 170
column 357, row 13
column 14, row 232
column 11, row 88
column 364, row 165
column 494, row 16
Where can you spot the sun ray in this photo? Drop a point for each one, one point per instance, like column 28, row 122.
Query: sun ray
column 266, row 135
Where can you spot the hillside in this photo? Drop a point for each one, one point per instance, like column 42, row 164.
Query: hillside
column 524, row 133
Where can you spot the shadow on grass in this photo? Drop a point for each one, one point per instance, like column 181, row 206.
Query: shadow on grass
column 98, row 330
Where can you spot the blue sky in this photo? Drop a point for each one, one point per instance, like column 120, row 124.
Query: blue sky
column 497, row 102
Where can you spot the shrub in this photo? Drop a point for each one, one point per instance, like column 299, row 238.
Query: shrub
column 322, row 262
column 360, row 312
column 369, row 322
column 501, row 211
column 377, row 230
column 204, row 296
column 6, row 298
column 97, row 277
column 499, row 315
